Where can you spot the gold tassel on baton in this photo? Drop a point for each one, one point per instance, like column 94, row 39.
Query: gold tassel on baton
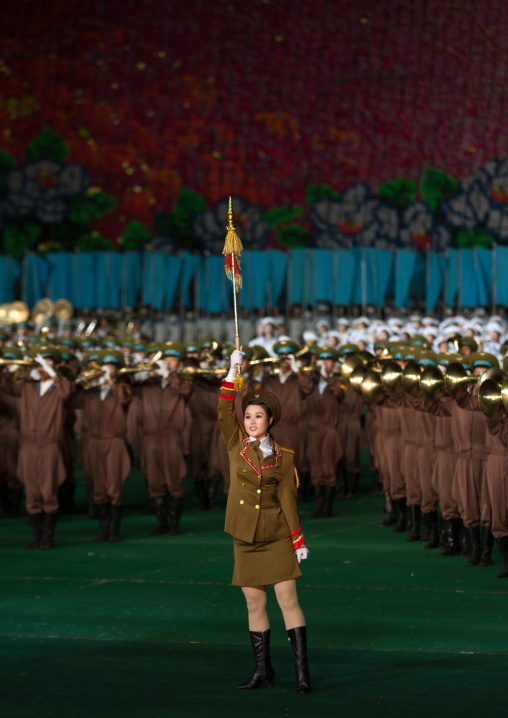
column 232, row 250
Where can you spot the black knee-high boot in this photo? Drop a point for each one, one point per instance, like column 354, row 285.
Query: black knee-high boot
column 103, row 510
column 36, row 521
column 161, row 514
column 451, row 528
column 48, row 531
column 328, row 501
column 486, row 548
column 502, row 544
column 474, row 535
column 352, row 485
column 175, row 514
column 298, row 638
column 400, row 506
column 263, row 670
column 433, row 530
column 416, row 519
column 115, row 518
column 390, row 518
column 320, row 502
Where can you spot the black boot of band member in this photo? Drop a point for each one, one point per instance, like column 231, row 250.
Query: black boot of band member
column 433, row 530
column 416, row 519
column 451, row 528
column 175, row 514
column 5, row 503
column 161, row 514
column 212, row 493
column 342, row 480
column 474, row 536
column 298, row 638
column 103, row 511
column 400, row 526
column 390, row 518
column 115, row 518
column 328, row 501
column 16, row 500
column 263, row 670
column 502, row 544
column 320, row 501
column 48, row 531
column 35, row 521
column 486, row 548
column 352, row 486
column 202, row 494
column 465, row 541
column 93, row 509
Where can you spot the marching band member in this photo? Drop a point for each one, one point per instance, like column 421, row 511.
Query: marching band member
column 40, row 464
column 107, row 460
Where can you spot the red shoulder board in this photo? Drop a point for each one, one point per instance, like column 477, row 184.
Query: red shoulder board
column 289, row 451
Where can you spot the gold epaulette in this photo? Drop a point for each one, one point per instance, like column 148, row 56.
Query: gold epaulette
column 289, row 451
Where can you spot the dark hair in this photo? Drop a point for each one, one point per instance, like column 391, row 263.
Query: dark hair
column 260, row 403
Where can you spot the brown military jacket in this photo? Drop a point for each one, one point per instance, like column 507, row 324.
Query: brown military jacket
column 253, row 514
column 41, row 417
column 469, row 428
column 163, row 409
column 105, row 419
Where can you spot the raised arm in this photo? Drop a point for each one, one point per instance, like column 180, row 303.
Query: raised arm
column 228, row 421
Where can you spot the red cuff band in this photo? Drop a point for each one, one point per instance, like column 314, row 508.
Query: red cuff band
column 299, row 544
column 228, row 384
column 227, row 396
column 295, row 533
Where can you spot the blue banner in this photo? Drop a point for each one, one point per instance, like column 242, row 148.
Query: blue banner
column 406, row 266
column 9, row 272
column 35, row 276
column 452, row 276
column 436, row 268
column 348, row 274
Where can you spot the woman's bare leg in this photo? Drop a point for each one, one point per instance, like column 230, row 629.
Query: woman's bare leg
column 288, row 602
column 256, row 606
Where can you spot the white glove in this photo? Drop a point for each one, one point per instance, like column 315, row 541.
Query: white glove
column 236, row 360
column 302, row 553
column 293, row 363
column 321, row 366
column 141, row 376
column 34, row 374
column 163, row 369
column 45, row 365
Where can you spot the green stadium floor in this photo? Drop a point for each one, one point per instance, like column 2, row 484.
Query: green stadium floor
column 151, row 627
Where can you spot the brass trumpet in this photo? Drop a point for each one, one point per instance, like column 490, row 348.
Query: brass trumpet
column 391, row 376
column 18, row 362
column 148, row 366
column 493, row 393
column 356, row 378
column 372, row 386
column 432, row 383
column 411, row 378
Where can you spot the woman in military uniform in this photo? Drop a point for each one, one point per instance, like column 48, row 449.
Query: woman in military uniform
column 268, row 539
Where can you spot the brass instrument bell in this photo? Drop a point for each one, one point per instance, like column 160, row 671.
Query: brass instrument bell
column 372, row 386
column 457, row 380
column 391, row 375
column 63, row 309
column 432, row 383
column 357, row 376
column 491, row 399
column 42, row 311
column 351, row 362
column 411, row 377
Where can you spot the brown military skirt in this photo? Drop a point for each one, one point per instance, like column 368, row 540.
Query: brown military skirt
column 264, row 563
